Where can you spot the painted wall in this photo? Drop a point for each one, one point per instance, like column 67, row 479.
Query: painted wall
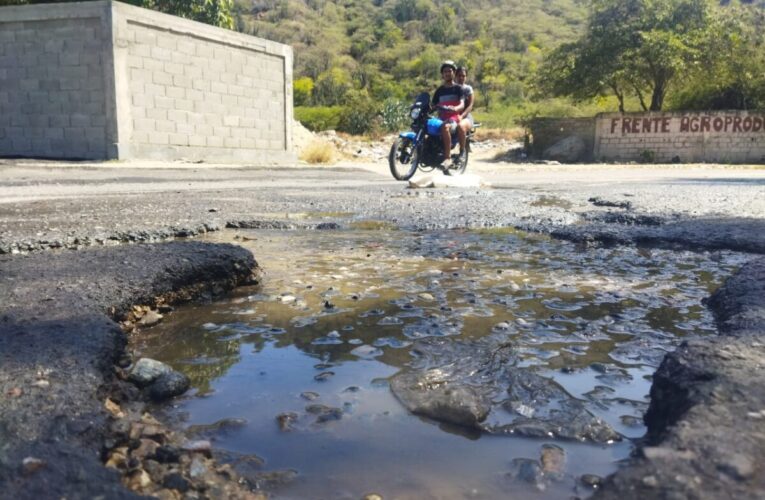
column 719, row 136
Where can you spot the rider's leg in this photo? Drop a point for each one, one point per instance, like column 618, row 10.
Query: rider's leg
column 462, row 130
column 446, row 137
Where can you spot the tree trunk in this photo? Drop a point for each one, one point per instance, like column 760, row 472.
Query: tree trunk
column 640, row 96
column 619, row 96
column 657, row 98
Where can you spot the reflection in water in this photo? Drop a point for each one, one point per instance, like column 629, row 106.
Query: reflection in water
column 340, row 312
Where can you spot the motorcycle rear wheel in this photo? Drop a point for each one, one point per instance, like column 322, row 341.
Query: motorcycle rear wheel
column 403, row 171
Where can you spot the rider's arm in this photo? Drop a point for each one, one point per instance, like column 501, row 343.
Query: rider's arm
column 468, row 106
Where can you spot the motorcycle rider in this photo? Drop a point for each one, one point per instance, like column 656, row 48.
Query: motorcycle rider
column 466, row 117
column 448, row 100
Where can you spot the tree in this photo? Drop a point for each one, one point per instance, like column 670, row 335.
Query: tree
column 639, row 47
column 215, row 12
column 302, row 89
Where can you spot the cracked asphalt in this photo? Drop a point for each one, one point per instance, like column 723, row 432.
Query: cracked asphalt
column 55, row 204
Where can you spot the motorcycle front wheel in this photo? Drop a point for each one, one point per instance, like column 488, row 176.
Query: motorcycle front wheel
column 403, row 159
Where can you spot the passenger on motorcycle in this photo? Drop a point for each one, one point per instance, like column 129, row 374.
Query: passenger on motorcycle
column 448, row 100
column 466, row 117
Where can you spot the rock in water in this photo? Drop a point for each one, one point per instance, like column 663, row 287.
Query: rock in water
column 476, row 384
column 432, row 394
column 151, row 318
column 147, row 370
column 169, row 385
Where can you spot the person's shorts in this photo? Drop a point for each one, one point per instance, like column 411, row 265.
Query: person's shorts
column 435, row 124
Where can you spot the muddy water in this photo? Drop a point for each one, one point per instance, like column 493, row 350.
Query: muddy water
column 339, row 312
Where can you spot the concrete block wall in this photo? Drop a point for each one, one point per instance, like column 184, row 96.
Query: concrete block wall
column 151, row 86
column 53, row 82
column 546, row 132
column 719, row 136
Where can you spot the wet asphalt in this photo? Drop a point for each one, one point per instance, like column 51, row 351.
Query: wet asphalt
column 59, row 339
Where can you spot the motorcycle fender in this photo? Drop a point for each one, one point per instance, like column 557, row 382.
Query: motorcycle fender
column 407, row 135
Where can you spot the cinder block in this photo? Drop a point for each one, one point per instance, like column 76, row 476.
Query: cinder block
column 164, row 102
column 160, row 54
column 201, row 85
column 167, row 41
column 231, row 142
column 222, row 132
column 231, row 121
column 144, row 125
column 154, row 90
column 194, row 95
column 160, row 138
column 139, row 137
column 182, row 81
column 165, row 126
column 179, row 139
column 177, row 115
column 161, row 78
column 157, row 113
column 153, row 64
column 219, row 88
column 74, row 133
column 186, row 47
column 95, row 134
column 184, row 104
column 197, row 140
column 204, row 130
column 214, row 141
column 174, row 68
column 184, row 128
column 176, row 92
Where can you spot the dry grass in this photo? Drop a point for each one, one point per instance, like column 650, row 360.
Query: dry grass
column 509, row 134
column 318, row 152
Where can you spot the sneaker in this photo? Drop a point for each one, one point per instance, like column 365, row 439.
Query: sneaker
column 447, row 164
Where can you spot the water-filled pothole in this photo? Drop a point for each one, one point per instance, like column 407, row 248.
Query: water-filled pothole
column 306, row 358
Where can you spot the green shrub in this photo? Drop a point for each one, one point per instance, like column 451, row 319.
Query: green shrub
column 359, row 114
column 394, row 115
column 319, row 118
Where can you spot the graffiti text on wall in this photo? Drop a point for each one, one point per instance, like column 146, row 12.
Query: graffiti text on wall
column 688, row 124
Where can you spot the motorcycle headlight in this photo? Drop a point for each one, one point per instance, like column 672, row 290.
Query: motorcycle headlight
column 415, row 113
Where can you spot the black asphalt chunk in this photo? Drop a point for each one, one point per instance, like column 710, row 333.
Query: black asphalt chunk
column 704, row 424
column 58, row 345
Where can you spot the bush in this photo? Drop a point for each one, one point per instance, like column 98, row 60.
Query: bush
column 319, row 118
column 359, row 114
column 394, row 115
column 318, row 152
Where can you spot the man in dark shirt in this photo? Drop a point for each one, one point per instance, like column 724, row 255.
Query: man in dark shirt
column 448, row 100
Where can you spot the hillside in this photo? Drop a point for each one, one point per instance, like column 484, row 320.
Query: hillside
column 390, row 48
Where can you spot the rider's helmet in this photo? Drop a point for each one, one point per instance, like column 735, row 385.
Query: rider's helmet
column 448, row 64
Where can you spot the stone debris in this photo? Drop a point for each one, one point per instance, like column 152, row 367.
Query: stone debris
column 439, row 180
column 476, row 384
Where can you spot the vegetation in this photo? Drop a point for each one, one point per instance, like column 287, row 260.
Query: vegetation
column 646, row 48
column 318, row 152
column 366, row 59
column 215, row 12
column 359, row 63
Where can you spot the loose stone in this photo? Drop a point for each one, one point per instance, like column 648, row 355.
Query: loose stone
column 169, row 385
column 147, row 370
column 591, row 480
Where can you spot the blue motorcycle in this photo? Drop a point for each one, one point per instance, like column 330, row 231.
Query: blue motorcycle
column 422, row 146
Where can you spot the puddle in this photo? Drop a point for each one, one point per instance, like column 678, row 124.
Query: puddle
column 551, row 201
column 306, row 358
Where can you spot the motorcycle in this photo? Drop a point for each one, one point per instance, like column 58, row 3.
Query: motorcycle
column 422, row 146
